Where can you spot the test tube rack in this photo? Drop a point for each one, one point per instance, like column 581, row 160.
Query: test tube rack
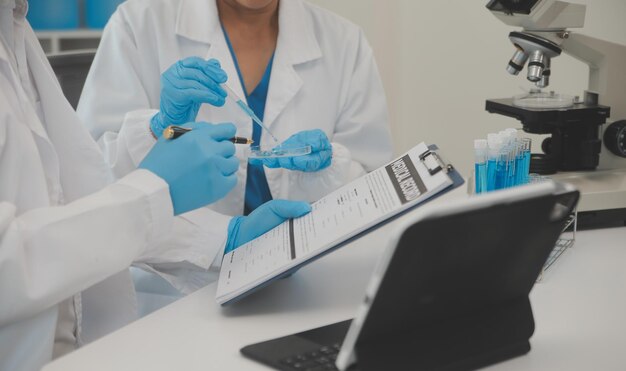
column 565, row 241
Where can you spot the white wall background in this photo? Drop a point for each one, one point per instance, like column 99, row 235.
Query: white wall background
column 440, row 60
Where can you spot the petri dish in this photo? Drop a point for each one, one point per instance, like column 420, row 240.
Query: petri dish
column 543, row 100
column 278, row 151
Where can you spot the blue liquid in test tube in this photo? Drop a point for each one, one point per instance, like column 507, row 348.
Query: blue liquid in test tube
column 501, row 171
column 510, row 179
column 481, row 177
column 480, row 165
column 527, row 144
column 491, row 174
column 519, row 167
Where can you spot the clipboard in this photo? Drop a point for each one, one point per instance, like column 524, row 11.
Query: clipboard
column 433, row 161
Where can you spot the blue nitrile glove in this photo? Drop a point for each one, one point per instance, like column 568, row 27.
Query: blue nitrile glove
column 243, row 229
column 184, row 87
column 319, row 158
column 199, row 166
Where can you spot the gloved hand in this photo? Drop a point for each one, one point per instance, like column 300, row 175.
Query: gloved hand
column 184, row 87
column 199, row 166
column 319, row 158
column 243, row 229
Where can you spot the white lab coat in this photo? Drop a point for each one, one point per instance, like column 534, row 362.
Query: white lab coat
column 324, row 76
column 63, row 226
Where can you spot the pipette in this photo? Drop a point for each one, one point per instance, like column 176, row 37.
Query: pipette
column 244, row 107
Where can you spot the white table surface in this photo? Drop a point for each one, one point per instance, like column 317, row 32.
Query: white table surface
column 579, row 307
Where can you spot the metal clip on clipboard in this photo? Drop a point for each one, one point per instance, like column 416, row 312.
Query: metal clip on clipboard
column 434, row 163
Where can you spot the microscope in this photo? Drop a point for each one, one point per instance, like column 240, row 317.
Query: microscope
column 584, row 148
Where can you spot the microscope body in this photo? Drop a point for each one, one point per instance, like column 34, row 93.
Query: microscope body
column 607, row 77
column 591, row 150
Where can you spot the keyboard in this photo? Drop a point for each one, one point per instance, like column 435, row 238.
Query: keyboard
column 322, row 359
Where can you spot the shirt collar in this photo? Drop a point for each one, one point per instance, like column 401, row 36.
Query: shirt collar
column 199, row 20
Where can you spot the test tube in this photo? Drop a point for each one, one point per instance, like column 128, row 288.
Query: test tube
column 520, row 178
column 502, row 174
column 512, row 145
column 494, row 143
column 510, row 138
column 480, row 165
column 527, row 142
column 502, row 168
column 511, row 170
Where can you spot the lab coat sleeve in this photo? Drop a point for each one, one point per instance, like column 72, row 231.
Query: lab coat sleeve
column 115, row 98
column 113, row 106
column 362, row 139
column 49, row 254
column 184, row 257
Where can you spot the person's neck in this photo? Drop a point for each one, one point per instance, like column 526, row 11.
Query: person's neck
column 252, row 22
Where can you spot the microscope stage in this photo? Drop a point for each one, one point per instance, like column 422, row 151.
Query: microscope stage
column 540, row 120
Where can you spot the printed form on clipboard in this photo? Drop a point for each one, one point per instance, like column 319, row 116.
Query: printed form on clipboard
column 343, row 214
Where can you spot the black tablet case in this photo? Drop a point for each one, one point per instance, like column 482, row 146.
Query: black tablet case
column 455, row 295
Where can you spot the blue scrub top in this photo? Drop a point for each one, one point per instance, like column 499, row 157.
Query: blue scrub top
column 257, row 190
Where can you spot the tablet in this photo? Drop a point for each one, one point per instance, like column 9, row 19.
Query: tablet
column 453, row 287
